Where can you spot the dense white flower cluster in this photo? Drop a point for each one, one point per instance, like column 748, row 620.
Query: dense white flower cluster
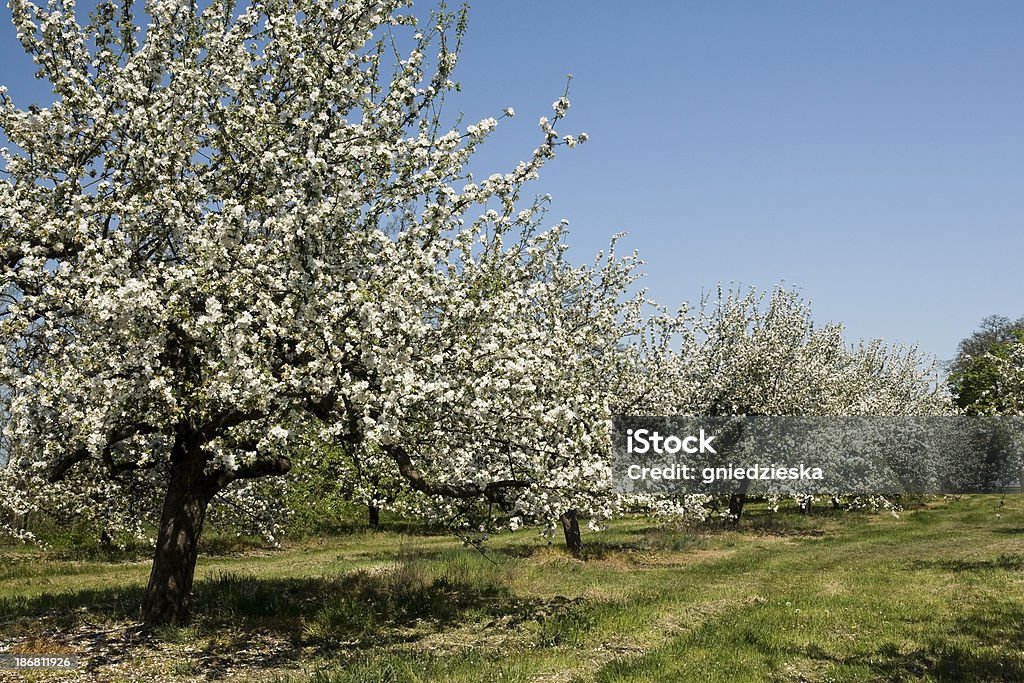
column 748, row 353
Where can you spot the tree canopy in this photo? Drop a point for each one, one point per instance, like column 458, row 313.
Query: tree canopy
column 242, row 225
column 991, row 380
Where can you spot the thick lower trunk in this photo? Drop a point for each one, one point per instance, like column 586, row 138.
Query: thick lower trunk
column 374, row 516
column 571, row 530
column 168, row 595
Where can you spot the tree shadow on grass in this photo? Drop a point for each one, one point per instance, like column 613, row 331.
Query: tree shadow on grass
column 350, row 608
column 604, row 550
column 244, row 621
column 985, row 644
column 1003, row 562
column 65, row 608
column 786, row 523
column 940, row 661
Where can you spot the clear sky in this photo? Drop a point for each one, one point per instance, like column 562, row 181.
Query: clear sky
column 871, row 152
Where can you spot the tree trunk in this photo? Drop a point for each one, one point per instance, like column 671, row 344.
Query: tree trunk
column 189, row 492
column 737, row 501
column 374, row 516
column 837, row 503
column 169, row 593
column 571, row 530
column 806, row 504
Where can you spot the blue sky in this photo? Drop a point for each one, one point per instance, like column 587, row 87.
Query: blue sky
column 870, row 153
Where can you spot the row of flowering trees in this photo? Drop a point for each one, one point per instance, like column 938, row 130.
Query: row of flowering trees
column 754, row 354
column 245, row 232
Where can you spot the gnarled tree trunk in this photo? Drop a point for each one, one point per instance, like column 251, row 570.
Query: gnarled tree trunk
column 374, row 516
column 169, row 593
column 189, row 492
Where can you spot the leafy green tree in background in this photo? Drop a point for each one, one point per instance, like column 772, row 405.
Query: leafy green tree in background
column 993, row 329
column 987, row 375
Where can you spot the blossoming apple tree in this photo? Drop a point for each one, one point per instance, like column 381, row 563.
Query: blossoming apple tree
column 244, row 225
column 746, row 356
column 564, row 347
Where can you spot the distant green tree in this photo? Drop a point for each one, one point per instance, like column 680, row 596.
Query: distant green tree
column 993, row 329
column 990, row 382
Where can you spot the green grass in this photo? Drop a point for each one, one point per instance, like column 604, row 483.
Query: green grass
column 935, row 595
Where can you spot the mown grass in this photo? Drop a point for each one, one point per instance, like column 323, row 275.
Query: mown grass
column 935, row 595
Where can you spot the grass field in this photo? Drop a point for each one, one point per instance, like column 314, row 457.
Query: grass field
column 935, row 595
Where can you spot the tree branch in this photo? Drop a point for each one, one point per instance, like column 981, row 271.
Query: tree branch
column 491, row 491
column 266, row 466
column 61, row 469
column 228, row 419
